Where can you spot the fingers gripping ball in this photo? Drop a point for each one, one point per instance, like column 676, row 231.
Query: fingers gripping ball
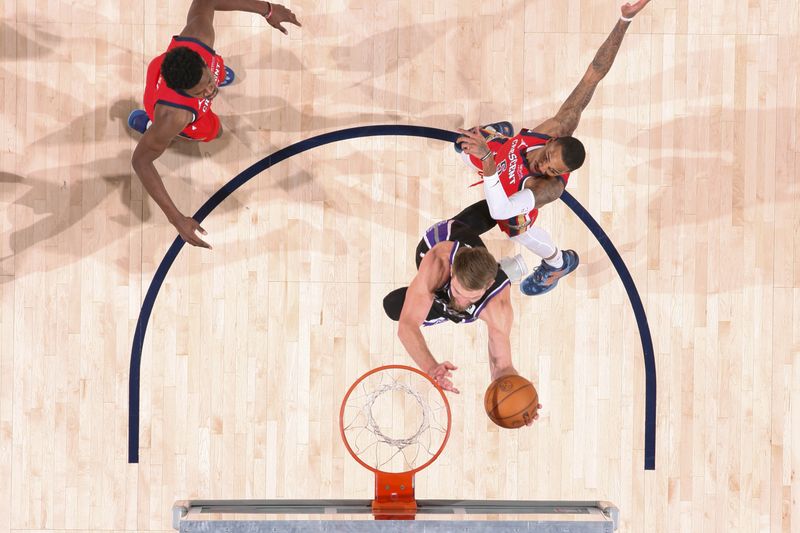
column 511, row 401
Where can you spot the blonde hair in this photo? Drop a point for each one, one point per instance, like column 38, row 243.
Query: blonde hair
column 475, row 268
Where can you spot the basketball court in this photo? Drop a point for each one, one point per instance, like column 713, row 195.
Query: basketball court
column 250, row 348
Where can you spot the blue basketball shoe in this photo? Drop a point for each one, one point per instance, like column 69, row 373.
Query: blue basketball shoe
column 492, row 130
column 230, row 75
column 545, row 278
column 138, row 120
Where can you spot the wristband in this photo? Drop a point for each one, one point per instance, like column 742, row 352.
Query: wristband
column 269, row 13
column 626, row 19
column 488, row 154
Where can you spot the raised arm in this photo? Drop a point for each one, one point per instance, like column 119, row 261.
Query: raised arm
column 566, row 120
column 168, row 122
column 200, row 20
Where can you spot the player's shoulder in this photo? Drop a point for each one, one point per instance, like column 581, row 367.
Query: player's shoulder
column 440, row 252
column 194, row 42
column 168, row 120
column 552, row 127
column 434, row 269
column 531, row 134
column 170, row 114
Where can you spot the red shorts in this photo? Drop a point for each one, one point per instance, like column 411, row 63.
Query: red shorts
column 205, row 128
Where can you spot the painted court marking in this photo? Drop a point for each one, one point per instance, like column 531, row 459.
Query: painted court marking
column 375, row 131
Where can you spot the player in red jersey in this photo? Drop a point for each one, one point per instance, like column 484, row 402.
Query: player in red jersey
column 524, row 172
column 180, row 86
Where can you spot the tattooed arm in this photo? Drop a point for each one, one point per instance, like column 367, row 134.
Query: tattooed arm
column 566, row 120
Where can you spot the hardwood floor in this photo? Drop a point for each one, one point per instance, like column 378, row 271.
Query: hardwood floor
column 693, row 154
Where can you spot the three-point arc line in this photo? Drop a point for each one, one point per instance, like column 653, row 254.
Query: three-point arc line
column 375, row 131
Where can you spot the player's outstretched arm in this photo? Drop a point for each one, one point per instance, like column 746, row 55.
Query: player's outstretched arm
column 167, row 123
column 499, row 317
column 200, row 19
column 566, row 120
column 419, row 299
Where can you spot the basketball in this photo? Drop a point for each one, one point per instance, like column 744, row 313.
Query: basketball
column 511, row 401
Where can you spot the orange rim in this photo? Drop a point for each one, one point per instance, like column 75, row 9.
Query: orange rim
column 375, row 371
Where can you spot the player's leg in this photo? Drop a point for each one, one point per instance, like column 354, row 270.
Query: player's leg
column 555, row 263
column 477, row 217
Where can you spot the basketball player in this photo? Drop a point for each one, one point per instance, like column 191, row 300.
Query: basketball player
column 180, row 86
column 460, row 281
column 522, row 173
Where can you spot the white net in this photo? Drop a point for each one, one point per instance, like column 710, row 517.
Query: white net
column 395, row 420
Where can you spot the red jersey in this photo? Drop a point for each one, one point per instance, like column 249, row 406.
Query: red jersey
column 205, row 124
column 513, row 171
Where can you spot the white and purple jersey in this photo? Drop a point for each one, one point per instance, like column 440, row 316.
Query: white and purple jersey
column 460, row 235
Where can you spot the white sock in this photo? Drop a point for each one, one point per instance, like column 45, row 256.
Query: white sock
column 557, row 261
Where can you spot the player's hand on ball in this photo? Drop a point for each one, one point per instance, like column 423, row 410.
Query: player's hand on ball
column 441, row 374
column 279, row 15
column 629, row 10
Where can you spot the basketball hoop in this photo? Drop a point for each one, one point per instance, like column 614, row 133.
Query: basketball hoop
column 395, row 421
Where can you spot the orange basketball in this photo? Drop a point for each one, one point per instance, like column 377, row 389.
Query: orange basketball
column 511, row 401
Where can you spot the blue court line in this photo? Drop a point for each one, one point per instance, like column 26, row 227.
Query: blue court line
column 641, row 321
column 374, row 131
